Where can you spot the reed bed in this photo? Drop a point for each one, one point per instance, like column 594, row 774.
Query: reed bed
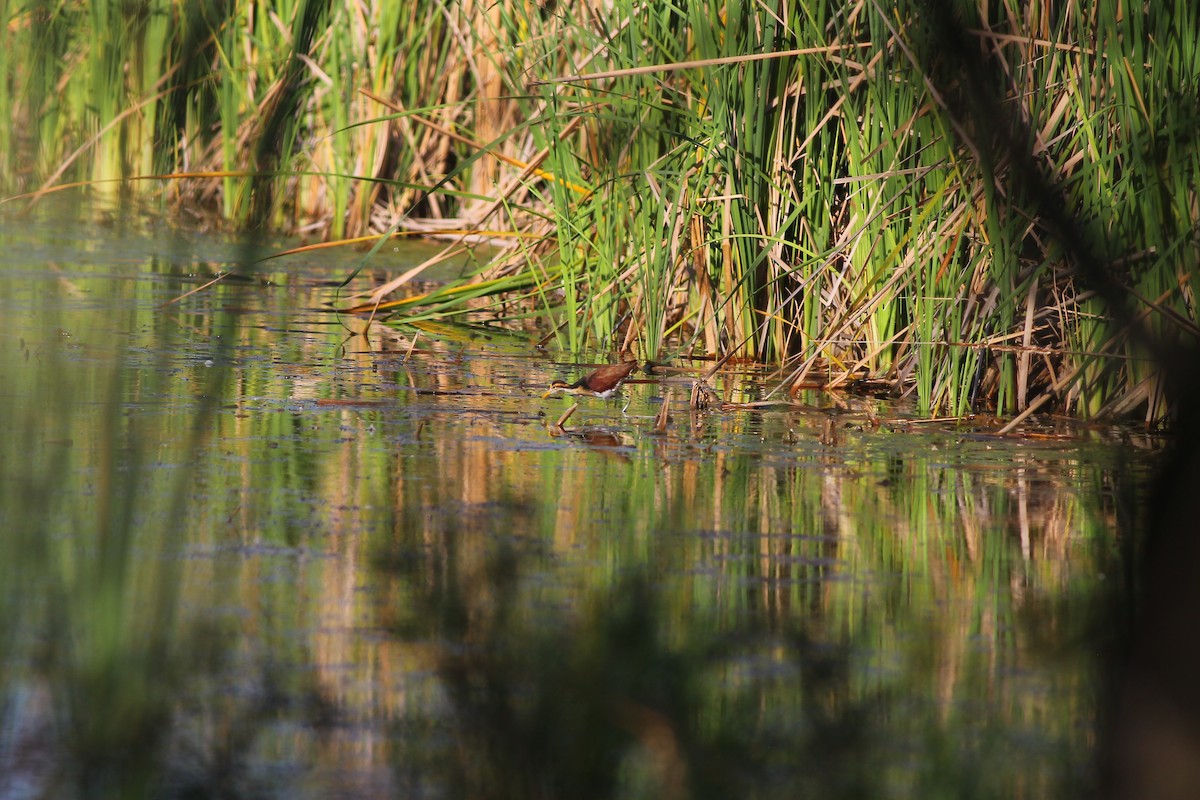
column 815, row 185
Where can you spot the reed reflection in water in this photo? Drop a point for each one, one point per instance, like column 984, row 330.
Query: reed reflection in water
column 367, row 566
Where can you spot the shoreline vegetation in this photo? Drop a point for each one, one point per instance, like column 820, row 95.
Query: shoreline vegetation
column 825, row 187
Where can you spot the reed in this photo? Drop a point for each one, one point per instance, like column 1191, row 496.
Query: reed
column 810, row 187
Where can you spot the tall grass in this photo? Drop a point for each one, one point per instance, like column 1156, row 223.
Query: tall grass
column 806, row 185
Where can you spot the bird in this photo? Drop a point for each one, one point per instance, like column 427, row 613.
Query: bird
column 603, row 383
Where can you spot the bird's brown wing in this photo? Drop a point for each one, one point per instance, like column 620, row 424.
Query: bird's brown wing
column 609, row 376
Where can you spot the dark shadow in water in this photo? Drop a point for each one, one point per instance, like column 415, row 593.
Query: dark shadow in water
column 614, row 699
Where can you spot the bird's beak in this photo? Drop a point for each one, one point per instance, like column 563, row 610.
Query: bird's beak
column 552, row 391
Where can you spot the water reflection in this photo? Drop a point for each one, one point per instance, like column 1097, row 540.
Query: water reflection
column 386, row 573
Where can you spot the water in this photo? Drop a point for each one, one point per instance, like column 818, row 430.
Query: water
column 250, row 550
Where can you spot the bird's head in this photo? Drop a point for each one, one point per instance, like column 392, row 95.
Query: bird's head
column 556, row 387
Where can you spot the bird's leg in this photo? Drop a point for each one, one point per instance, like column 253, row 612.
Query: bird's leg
column 625, row 407
column 566, row 415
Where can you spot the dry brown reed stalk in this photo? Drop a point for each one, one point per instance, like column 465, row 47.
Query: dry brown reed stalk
column 494, row 114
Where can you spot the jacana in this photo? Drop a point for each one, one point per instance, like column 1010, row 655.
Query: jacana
column 603, row 383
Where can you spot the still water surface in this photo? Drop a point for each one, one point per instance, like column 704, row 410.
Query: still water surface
column 247, row 549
